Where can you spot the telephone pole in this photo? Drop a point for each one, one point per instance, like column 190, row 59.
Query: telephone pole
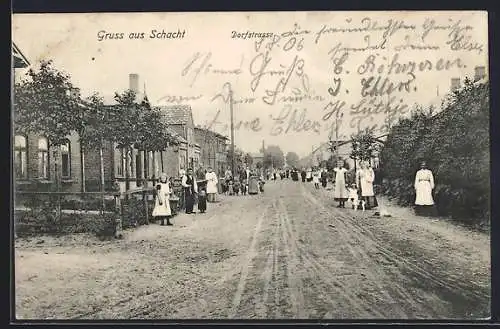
column 338, row 116
column 232, row 125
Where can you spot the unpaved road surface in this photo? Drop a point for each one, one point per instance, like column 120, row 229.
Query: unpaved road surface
column 286, row 254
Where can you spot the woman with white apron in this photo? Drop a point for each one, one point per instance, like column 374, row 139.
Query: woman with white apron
column 162, row 209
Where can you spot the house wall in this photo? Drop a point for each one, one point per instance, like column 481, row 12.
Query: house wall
column 34, row 182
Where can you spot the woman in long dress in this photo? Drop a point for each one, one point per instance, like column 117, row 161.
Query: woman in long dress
column 366, row 177
column 340, row 192
column 212, row 181
column 424, row 184
column 162, row 209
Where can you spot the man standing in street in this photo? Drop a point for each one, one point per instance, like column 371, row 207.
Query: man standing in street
column 190, row 190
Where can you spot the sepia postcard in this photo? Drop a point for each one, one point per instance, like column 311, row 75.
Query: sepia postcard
column 313, row 165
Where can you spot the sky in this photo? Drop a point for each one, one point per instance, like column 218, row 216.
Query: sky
column 296, row 60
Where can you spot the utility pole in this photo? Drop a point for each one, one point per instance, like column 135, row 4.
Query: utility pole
column 338, row 115
column 232, row 124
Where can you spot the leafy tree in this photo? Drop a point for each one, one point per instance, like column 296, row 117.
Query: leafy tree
column 125, row 121
column 248, row 159
column 45, row 103
column 364, row 146
column 97, row 129
column 273, row 157
column 292, row 159
column 239, row 159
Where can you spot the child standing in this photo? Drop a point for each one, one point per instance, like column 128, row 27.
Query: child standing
column 162, row 203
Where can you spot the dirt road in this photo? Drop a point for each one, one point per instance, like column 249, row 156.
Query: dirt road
column 285, row 254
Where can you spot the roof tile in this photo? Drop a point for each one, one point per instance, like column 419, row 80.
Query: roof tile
column 176, row 114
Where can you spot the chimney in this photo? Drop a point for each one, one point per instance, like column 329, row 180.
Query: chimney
column 455, row 84
column 479, row 73
column 134, row 82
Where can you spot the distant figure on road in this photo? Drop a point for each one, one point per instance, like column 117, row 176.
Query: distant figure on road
column 190, row 190
column 244, row 175
column 316, row 174
column 212, row 181
column 366, row 177
column 340, row 192
column 324, row 177
column 424, row 184
column 309, row 175
column 162, row 209
column 303, row 175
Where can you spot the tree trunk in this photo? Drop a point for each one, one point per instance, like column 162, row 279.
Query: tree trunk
column 145, row 195
column 82, row 165
column 101, row 163
column 153, row 176
column 161, row 159
column 127, row 173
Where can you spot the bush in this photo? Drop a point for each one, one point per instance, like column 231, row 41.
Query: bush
column 455, row 144
column 31, row 223
column 42, row 216
column 133, row 212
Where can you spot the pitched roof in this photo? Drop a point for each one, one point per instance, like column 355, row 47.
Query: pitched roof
column 206, row 130
column 177, row 114
column 176, row 136
column 256, row 155
column 19, row 60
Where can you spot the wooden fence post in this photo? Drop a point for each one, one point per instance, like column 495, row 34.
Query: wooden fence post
column 145, row 201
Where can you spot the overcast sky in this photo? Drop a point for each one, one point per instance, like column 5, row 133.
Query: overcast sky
column 71, row 41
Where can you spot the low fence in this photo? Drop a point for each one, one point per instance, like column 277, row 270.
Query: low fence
column 102, row 213
column 66, row 212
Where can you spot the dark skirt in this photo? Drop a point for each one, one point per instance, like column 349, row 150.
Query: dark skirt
column 202, row 203
column 340, row 199
column 370, row 202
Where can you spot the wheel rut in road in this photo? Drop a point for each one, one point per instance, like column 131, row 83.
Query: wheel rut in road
column 414, row 281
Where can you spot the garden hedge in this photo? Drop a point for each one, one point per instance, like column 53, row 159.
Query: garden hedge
column 455, row 144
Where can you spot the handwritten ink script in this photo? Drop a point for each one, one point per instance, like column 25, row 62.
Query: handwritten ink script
column 351, row 72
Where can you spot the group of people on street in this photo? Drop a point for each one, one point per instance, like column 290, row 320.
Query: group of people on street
column 356, row 188
column 195, row 191
column 202, row 188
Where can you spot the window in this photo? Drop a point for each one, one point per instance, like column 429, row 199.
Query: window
column 121, row 163
column 183, row 161
column 43, row 158
column 21, row 156
column 66, row 160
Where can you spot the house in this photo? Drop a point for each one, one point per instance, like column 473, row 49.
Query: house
column 213, row 149
column 131, row 168
column 179, row 119
column 35, row 165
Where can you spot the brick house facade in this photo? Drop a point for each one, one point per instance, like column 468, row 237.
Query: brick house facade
column 179, row 119
column 213, row 148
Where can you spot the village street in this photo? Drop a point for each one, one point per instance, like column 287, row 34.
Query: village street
column 288, row 253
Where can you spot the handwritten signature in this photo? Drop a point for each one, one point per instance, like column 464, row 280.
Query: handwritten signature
column 200, row 64
column 293, row 120
column 259, row 69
